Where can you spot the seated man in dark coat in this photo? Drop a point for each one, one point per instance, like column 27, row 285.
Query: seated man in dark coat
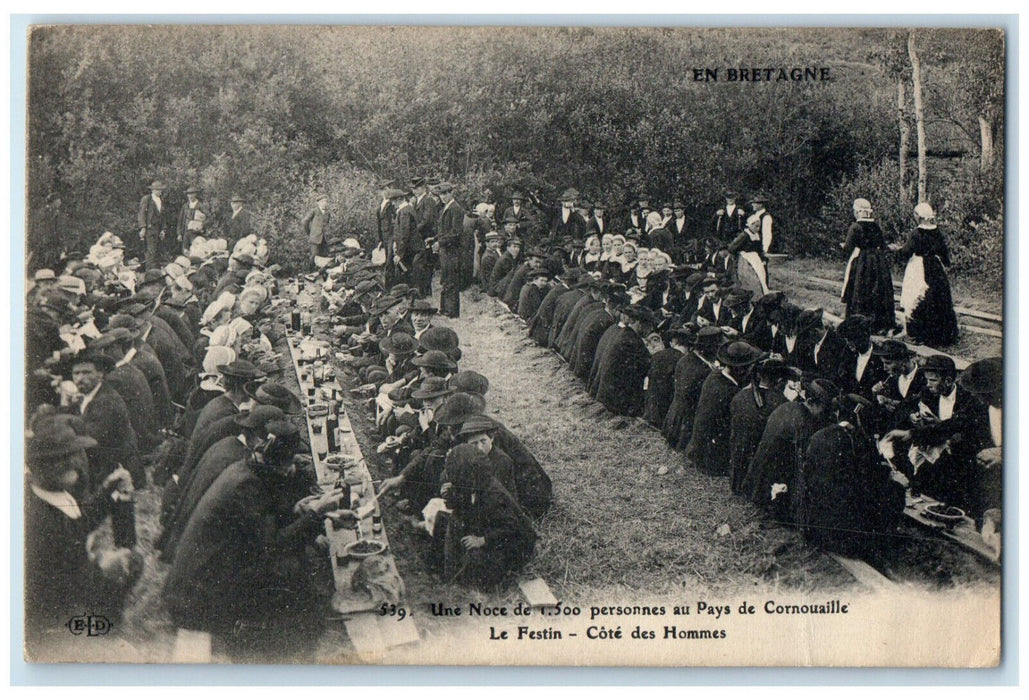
column 235, row 572
column 505, row 265
column 948, row 430
column 708, row 448
column 849, row 503
column 235, row 376
column 622, row 371
column 748, row 415
column 183, row 493
column 862, row 369
column 593, row 300
column 533, row 291
column 488, row 536
column 533, row 261
column 775, row 470
column 690, row 372
column 661, row 377
column 477, row 431
column 592, row 329
column 489, row 258
column 896, row 395
column 539, row 325
column 563, row 307
column 131, row 384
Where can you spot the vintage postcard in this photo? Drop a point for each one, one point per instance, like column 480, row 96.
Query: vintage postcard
column 466, row 345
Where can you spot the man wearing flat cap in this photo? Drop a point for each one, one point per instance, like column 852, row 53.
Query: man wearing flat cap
column 450, row 227
column 315, row 226
column 509, row 259
column 152, row 220
column 192, row 218
column 241, row 222
column 489, row 258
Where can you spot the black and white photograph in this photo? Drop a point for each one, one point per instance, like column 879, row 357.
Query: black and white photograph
column 415, row 344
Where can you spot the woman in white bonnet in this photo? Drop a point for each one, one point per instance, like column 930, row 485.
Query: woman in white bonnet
column 750, row 257
column 925, row 297
column 867, row 282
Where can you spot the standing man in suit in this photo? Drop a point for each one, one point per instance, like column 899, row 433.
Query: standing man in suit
column 241, row 224
column 316, row 227
column 758, row 202
column 385, row 216
column 517, row 212
column 677, row 225
column 152, row 224
column 729, row 221
column 192, row 219
column 407, row 241
column 449, row 227
column 568, row 222
column 427, row 210
column 597, row 224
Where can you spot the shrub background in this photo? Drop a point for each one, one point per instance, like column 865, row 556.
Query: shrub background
column 282, row 112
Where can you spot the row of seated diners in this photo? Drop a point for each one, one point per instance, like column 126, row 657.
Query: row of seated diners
column 167, row 379
column 821, row 425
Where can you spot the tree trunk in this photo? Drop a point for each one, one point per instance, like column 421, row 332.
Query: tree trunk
column 916, row 81
column 985, row 143
column 905, row 140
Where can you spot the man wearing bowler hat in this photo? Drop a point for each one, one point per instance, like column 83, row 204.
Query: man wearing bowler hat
column 192, row 218
column 517, row 214
column 106, row 417
column 241, row 223
column 153, row 224
column 621, row 375
column 708, row 448
column 690, row 372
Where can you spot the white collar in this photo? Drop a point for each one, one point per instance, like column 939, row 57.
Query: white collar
column 61, row 500
column 996, row 424
column 127, row 359
column 946, row 404
column 862, row 363
column 89, row 397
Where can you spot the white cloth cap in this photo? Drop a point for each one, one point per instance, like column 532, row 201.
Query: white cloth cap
column 924, row 211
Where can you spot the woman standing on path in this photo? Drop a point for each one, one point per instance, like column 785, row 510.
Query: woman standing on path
column 929, row 316
column 867, row 283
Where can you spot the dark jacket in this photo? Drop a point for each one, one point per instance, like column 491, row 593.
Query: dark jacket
column 660, row 385
column 592, row 329
column 316, row 226
column 240, row 226
column 708, row 448
column 747, row 424
column 107, row 421
column 690, row 373
column 622, row 373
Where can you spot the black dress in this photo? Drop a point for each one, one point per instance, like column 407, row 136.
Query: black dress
column 925, row 293
column 867, row 283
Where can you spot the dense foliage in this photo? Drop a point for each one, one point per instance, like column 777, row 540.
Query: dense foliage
column 280, row 113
